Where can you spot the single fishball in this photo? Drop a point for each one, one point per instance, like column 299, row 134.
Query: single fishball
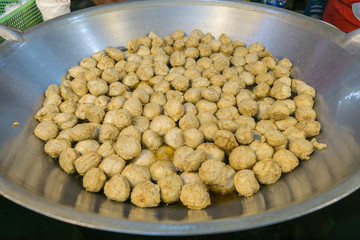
column 151, row 139
column 174, row 109
column 106, row 149
column 131, row 131
column 226, row 124
column 195, row 196
column 122, row 118
column 245, row 183
column 47, row 112
column 301, row 147
column 170, row 188
column 112, row 165
column 161, row 168
column 244, row 134
column 286, row 159
column 225, row 140
column 46, row 130
column 54, row 147
column 174, row 138
column 212, row 151
column 193, row 161
column 117, row 188
column 94, row 180
column 179, row 156
column 193, row 137
column 209, row 130
column 88, row 145
column 164, row 153
column 275, row 137
column 267, row 172
column 152, row 110
column 312, row 128
column 188, row 121
column 262, row 150
column 213, row 172
column 108, row 132
column 146, row 158
column 226, row 186
column 127, row 147
column 248, row 107
column 162, row 124
column 305, row 113
column 67, row 160
column 136, row 174
column 146, row 194
column 242, row 157
column 86, row 161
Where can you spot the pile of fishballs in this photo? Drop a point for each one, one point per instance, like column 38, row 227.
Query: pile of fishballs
column 172, row 119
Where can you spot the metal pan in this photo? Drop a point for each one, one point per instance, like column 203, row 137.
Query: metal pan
column 322, row 55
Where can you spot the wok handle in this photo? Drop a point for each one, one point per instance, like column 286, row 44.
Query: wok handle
column 11, row 34
column 352, row 43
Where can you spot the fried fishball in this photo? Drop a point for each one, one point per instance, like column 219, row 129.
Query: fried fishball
column 226, row 100
column 106, row 149
column 94, row 113
column 311, row 127
column 102, row 102
column 248, row 107
column 54, row 147
column 117, row 188
column 67, row 160
column 263, row 151
column 179, row 156
column 279, row 110
column 97, row 87
column 170, row 188
column 108, row 132
column 127, row 147
column 267, row 172
column 146, row 194
column 174, row 109
column 164, row 153
column 112, row 165
column 146, row 158
column 303, row 88
column 225, row 140
column 194, row 196
column 68, row 107
column 136, row 174
column 162, row 124
column 284, row 124
column 87, row 145
column 245, row 183
column 301, row 147
column 304, row 100
column 204, row 117
column 188, row 121
column 193, row 137
column 134, row 106
column 151, row 139
column 213, row 172
column 190, row 108
column 226, row 124
column 122, row 118
column 152, row 110
column 245, row 120
column 212, row 151
column 161, row 168
column 193, row 161
column 94, row 180
column 209, row 130
column 274, row 137
column 47, row 112
column 280, row 91
column 286, row 159
column 305, row 113
column 281, row 71
column 162, row 86
column 174, row 138
column 206, row 106
column 293, row 132
column 158, row 97
column 131, row 131
column 87, row 161
column 142, row 95
column 242, row 157
column 46, row 130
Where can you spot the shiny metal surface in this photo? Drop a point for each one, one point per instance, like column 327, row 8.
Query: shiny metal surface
column 318, row 52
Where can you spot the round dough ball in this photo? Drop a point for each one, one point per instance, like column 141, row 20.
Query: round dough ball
column 194, row 196
column 193, row 137
column 88, row 145
column 179, row 156
column 267, row 172
column 226, row 124
column 312, row 128
column 206, row 106
column 170, row 188
column 174, row 138
column 152, row 110
column 245, row 120
column 280, row 91
column 301, row 147
column 205, row 117
column 136, row 174
column 67, row 159
column 112, row 165
column 174, row 109
column 248, row 107
column 131, row 131
column 209, row 130
column 106, row 149
column 286, row 159
column 134, row 106
column 146, row 194
column 225, row 140
column 245, row 183
column 151, row 139
column 117, row 188
column 304, row 100
column 94, row 180
column 141, row 122
column 210, row 94
column 242, row 157
column 97, row 87
column 193, row 161
column 193, row 95
column 46, row 130
column 177, row 59
column 108, row 132
column 284, row 124
column 127, row 147
column 279, row 110
column 305, row 113
column 244, row 134
column 190, row 177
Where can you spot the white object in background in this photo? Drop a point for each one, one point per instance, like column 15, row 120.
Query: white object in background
column 53, row 8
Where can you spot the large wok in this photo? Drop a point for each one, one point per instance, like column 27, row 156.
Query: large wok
column 322, row 55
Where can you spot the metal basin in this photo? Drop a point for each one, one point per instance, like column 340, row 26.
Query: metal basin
column 323, row 56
